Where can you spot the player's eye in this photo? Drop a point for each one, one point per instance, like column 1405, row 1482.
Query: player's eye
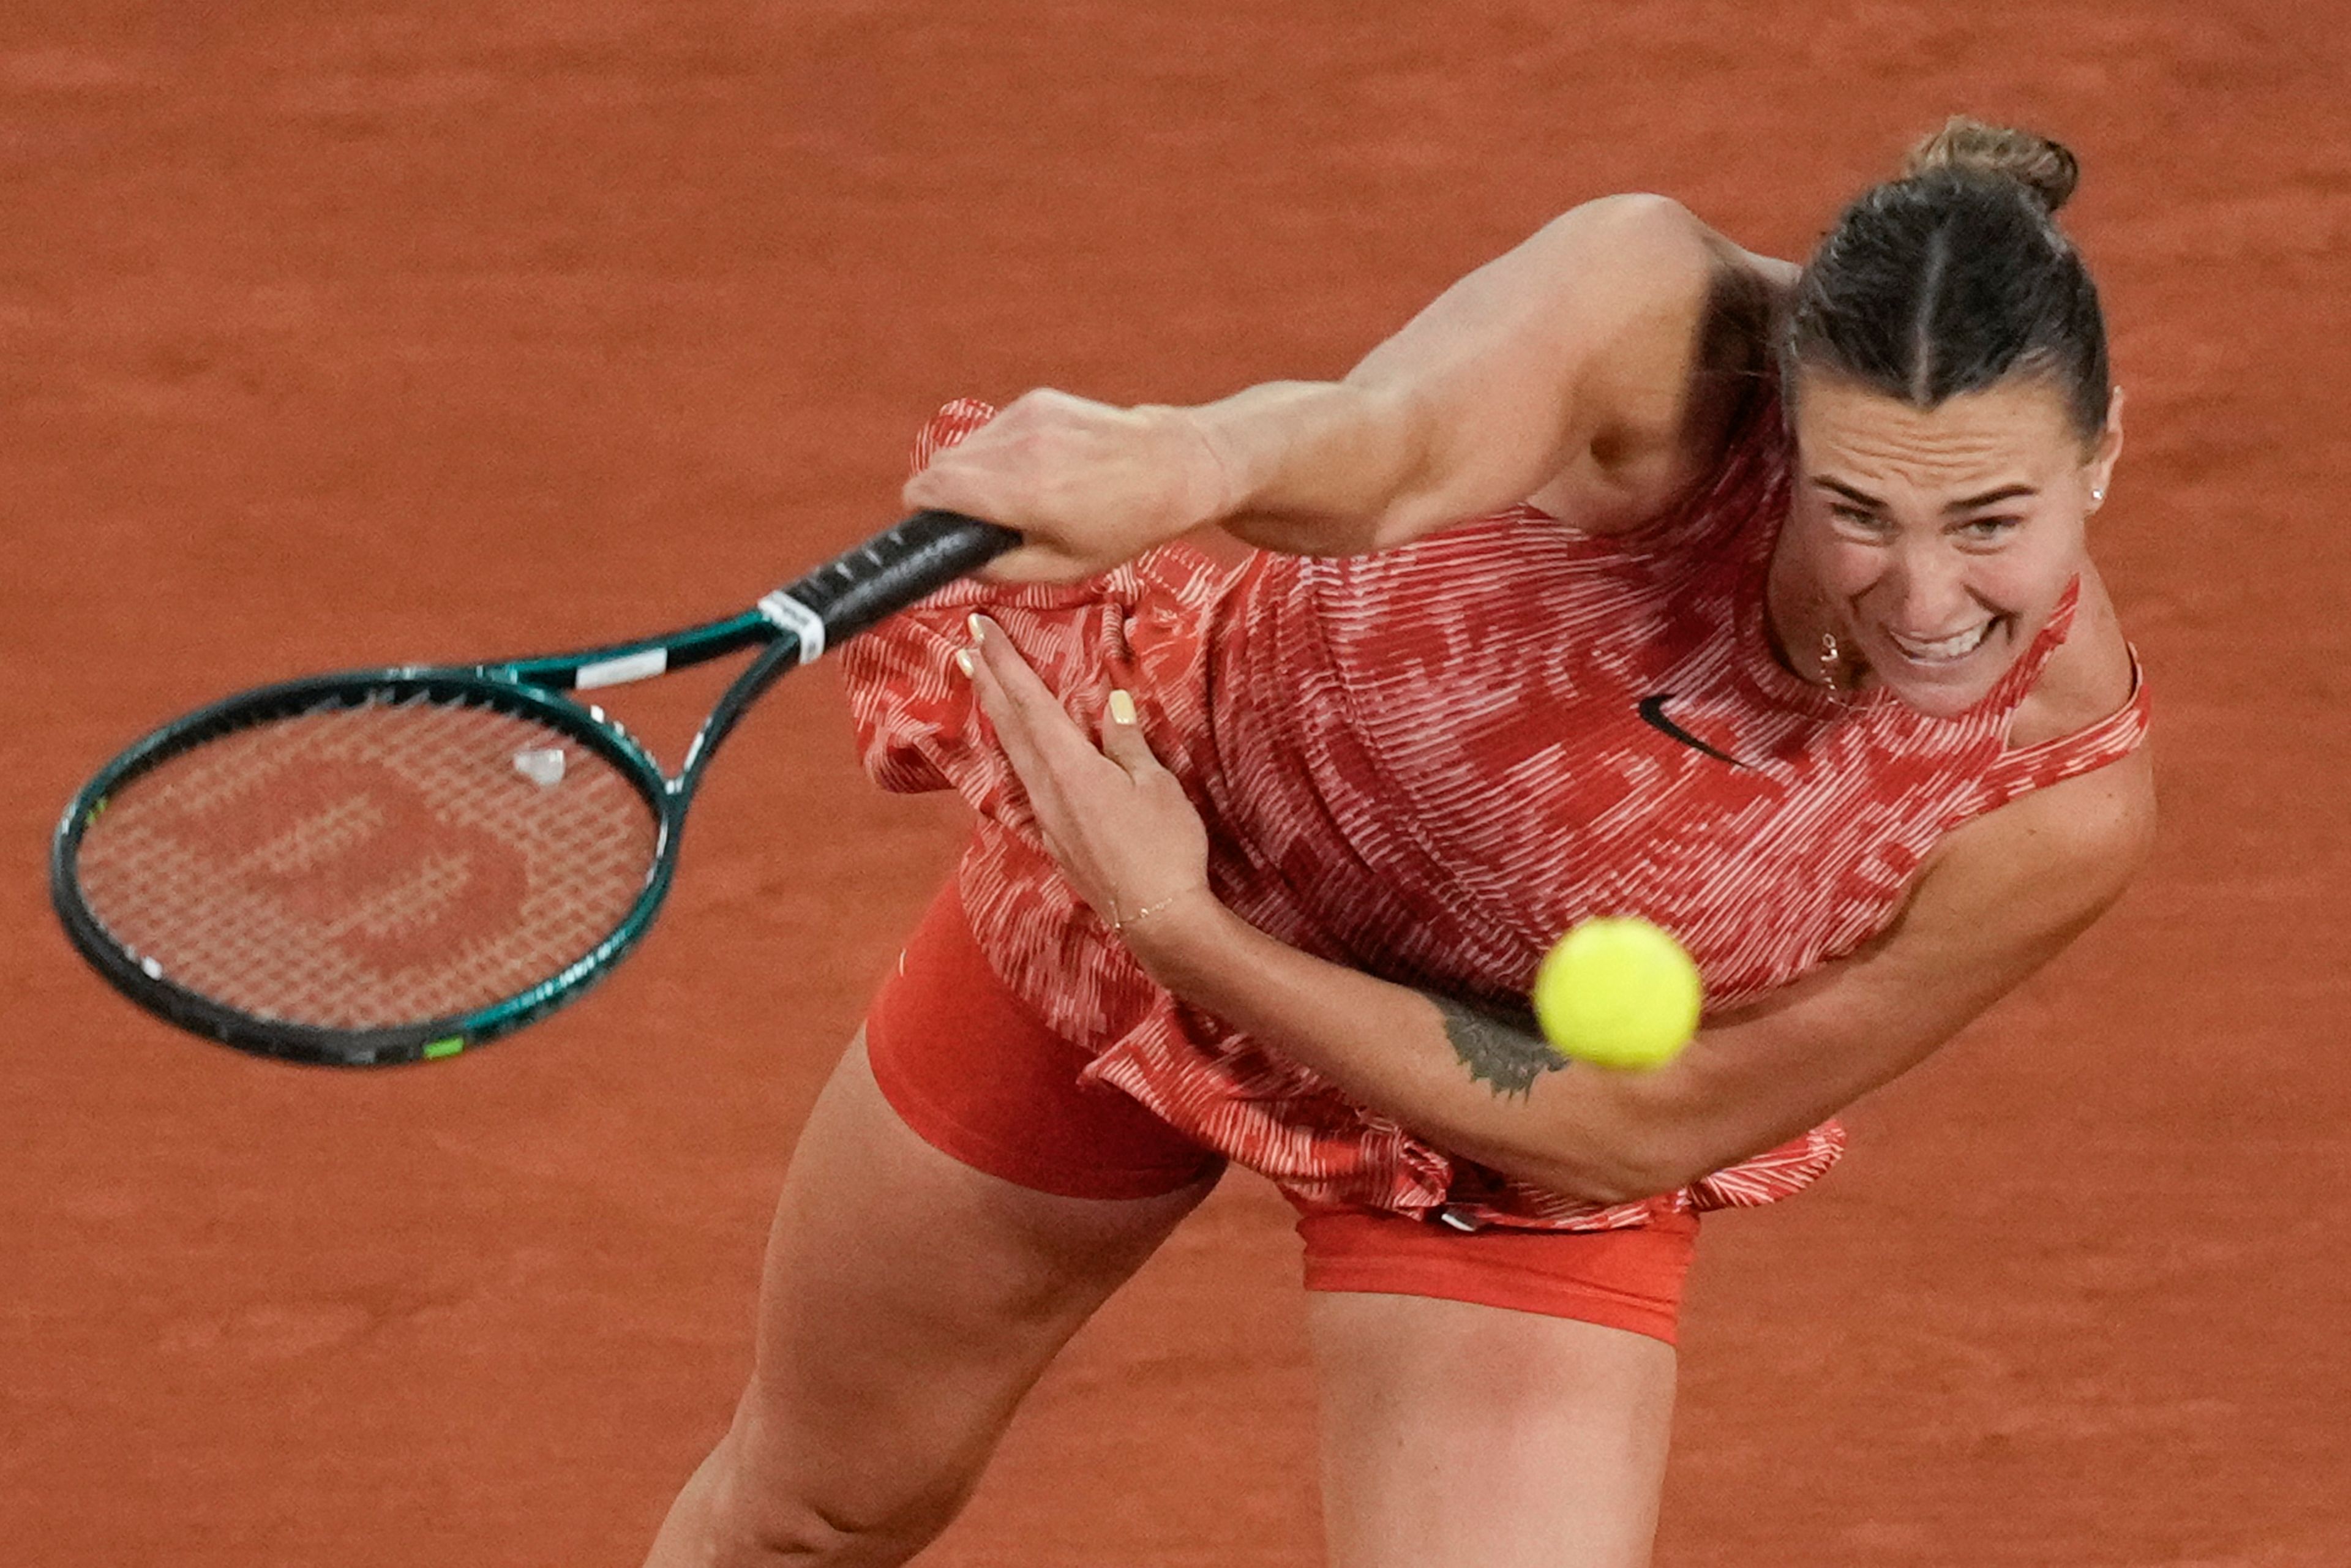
column 1989, row 530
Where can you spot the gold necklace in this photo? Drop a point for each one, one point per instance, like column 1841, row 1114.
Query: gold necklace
column 1833, row 665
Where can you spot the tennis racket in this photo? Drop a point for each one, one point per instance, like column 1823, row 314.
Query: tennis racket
column 392, row 865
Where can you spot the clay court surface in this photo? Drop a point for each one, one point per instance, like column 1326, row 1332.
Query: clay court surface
column 346, row 334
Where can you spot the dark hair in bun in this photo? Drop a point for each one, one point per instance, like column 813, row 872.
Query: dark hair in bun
column 1954, row 277
column 2046, row 168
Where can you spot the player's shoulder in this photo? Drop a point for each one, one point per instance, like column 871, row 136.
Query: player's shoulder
column 2072, row 844
column 1681, row 324
column 1656, row 248
column 2062, row 852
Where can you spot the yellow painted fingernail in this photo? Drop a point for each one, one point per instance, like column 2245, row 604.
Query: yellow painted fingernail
column 963, row 660
column 1121, row 707
column 977, row 631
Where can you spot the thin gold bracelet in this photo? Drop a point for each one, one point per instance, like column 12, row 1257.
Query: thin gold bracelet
column 1119, row 923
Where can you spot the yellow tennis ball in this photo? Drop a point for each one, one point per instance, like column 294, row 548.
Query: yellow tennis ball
column 1619, row 992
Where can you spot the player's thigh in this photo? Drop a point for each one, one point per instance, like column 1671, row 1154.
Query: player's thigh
column 1458, row 1435
column 907, row 1303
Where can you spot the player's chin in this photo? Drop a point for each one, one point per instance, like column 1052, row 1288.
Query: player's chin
column 1946, row 688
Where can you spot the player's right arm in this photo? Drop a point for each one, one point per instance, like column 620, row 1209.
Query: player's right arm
column 1575, row 366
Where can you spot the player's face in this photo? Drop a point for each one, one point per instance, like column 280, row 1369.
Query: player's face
column 1935, row 544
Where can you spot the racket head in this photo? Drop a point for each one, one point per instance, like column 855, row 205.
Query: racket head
column 366, row 868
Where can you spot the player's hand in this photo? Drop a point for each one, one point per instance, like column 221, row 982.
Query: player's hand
column 1118, row 822
column 1089, row 485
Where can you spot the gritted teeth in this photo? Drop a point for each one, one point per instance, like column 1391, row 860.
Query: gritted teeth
column 1957, row 645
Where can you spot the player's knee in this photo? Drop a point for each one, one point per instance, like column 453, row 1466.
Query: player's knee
column 807, row 1532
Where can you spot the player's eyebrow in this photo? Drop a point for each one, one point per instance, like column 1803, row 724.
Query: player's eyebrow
column 1863, row 498
column 2005, row 493
column 1858, row 497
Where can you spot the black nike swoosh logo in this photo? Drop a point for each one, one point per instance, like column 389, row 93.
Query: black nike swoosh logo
column 1652, row 710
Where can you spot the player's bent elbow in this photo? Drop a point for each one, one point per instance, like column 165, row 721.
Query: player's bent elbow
column 1418, row 499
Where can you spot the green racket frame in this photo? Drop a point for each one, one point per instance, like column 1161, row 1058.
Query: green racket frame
column 796, row 623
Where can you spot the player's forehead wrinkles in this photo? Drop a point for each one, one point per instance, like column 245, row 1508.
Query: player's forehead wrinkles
column 1947, row 469
column 1970, row 451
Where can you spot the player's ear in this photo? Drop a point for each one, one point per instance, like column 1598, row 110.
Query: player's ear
column 2108, row 449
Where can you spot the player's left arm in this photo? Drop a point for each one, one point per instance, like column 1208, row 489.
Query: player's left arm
column 2001, row 896
column 2006, row 894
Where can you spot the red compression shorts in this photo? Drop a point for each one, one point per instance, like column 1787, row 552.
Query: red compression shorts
column 979, row 1078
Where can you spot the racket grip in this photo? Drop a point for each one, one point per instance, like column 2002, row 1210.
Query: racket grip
column 882, row 576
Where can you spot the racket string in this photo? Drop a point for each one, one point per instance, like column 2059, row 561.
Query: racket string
column 371, row 865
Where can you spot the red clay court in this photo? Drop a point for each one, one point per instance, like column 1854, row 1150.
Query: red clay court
column 347, row 334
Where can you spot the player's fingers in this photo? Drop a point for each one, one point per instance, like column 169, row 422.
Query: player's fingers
column 1051, row 735
column 937, row 487
column 1013, row 732
column 1039, row 562
column 1122, row 740
column 971, row 477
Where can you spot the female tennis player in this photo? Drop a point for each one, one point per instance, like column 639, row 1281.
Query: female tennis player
column 1637, row 574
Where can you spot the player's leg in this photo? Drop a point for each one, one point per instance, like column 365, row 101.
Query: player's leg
column 908, row 1303
column 1457, row 1436
column 1463, row 1433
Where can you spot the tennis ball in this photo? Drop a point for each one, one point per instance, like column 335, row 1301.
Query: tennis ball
column 1619, row 992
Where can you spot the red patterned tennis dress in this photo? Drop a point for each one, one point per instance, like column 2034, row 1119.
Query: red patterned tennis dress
column 1428, row 763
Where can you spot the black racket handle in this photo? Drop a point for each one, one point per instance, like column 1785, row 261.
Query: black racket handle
column 889, row 571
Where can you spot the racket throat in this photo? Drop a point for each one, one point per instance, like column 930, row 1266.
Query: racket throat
column 795, row 619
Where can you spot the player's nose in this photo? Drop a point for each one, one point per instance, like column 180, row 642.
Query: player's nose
column 1925, row 592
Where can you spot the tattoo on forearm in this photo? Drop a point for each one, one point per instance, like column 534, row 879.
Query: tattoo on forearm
column 1495, row 1051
